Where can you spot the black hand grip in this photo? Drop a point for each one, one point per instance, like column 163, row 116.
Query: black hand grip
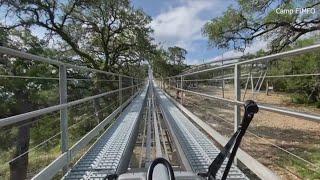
column 160, row 161
column 250, row 108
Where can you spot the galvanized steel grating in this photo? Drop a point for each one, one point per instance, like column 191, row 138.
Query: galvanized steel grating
column 105, row 157
column 198, row 149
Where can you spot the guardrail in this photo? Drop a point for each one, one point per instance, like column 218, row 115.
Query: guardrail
column 177, row 83
column 69, row 153
column 237, row 76
column 255, row 60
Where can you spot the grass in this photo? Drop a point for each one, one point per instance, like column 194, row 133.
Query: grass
column 299, row 167
column 37, row 161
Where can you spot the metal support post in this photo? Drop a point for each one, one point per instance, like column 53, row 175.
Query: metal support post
column 64, row 111
column 181, row 92
column 120, row 91
column 222, row 85
column 148, row 140
column 237, row 97
column 132, row 89
column 252, row 88
column 162, row 83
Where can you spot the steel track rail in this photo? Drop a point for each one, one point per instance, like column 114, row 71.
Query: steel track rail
column 111, row 153
column 196, row 146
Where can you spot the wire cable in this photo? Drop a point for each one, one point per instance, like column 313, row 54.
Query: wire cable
column 54, row 136
column 276, row 146
column 29, row 77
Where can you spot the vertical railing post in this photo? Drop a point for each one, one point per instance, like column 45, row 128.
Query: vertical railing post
column 237, row 97
column 63, row 112
column 223, row 83
column 181, row 92
column 132, row 88
column 163, row 83
column 252, row 88
column 120, row 91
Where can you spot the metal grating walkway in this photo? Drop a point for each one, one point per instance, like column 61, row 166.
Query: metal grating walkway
column 196, row 146
column 111, row 153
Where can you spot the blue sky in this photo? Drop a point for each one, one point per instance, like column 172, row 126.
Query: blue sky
column 179, row 22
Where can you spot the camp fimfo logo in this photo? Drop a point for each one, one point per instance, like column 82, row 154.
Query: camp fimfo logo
column 296, row 11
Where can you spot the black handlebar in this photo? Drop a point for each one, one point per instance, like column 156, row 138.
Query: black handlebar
column 160, row 161
column 250, row 108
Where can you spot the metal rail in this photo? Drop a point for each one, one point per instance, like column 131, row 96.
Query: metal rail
column 244, row 76
column 264, row 58
column 148, row 134
column 255, row 166
column 21, row 117
column 111, row 153
column 156, row 130
column 198, row 149
column 222, row 60
column 68, row 153
column 63, row 160
column 279, row 110
column 236, row 101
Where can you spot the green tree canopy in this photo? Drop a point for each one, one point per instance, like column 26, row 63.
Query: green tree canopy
column 177, row 54
column 103, row 34
column 250, row 20
column 164, row 61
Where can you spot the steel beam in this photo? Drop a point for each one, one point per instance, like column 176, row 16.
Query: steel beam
column 196, row 147
column 32, row 114
column 237, row 96
column 53, row 168
column 148, row 139
column 264, row 58
column 279, row 110
column 112, row 151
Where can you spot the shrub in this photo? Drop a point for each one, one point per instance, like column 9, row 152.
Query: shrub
column 299, row 99
column 318, row 104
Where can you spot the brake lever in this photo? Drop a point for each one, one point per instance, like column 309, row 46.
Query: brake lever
column 250, row 108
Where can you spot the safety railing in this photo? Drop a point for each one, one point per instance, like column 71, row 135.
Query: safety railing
column 127, row 87
column 237, row 76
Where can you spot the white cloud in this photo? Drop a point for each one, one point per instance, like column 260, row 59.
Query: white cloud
column 182, row 25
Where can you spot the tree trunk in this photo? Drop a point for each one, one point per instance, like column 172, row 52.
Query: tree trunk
column 19, row 167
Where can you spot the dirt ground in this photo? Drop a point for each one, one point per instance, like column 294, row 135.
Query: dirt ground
column 269, row 134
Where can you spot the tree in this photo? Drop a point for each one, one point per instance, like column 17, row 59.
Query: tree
column 104, row 33
column 251, row 20
column 177, row 54
column 160, row 62
column 304, row 89
column 20, row 96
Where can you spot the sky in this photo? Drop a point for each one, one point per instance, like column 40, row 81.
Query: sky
column 179, row 23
